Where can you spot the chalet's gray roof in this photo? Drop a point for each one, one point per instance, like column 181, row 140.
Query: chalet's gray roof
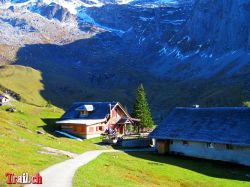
column 101, row 110
column 230, row 125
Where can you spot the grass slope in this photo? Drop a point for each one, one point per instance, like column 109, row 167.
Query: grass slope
column 149, row 169
column 21, row 146
column 24, row 81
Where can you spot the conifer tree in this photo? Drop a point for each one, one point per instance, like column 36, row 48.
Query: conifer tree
column 141, row 109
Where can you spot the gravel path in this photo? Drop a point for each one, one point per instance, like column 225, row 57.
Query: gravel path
column 61, row 174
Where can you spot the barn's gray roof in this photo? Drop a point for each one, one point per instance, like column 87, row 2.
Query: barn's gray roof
column 2, row 96
column 101, row 110
column 229, row 125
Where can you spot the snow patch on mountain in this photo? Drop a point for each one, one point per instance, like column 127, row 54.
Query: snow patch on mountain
column 70, row 5
column 85, row 18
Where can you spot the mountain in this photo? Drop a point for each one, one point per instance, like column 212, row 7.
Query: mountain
column 216, row 34
column 221, row 25
column 184, row 51
column 53, row 11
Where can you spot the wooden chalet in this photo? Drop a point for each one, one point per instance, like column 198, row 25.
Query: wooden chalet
column 91, row 119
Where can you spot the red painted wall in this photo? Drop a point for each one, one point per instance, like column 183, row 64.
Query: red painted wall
column 76, row 128
column 84, row 129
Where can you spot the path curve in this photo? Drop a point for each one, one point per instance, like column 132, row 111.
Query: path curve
column 61, row 174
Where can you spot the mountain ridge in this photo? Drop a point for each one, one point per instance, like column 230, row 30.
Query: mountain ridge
column 164, row 45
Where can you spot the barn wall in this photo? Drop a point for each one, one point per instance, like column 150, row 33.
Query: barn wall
column 238, row 154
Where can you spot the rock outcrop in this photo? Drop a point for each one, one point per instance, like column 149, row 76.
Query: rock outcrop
column 217, row 26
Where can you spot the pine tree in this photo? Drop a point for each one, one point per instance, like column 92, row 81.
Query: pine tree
column 141, row 109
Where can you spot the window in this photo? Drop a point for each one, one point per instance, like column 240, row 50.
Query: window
column 83, row 113
column 99, row 128
column 91, row 129
column 184, row 142
column 229, row 146
column 210, row 145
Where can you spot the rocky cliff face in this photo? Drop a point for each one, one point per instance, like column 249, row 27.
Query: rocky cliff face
column 184, row 51
column 213, row 41
column 217, row 26
column 54, row 11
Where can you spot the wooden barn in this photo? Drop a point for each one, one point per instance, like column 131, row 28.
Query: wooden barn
column 91, row 119
column 220, row 133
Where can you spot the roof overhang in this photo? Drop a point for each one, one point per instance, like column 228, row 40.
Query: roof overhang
column 197, row 140
column 125, row 121
column 3, row 97
column 121, row 107
column 82, row 121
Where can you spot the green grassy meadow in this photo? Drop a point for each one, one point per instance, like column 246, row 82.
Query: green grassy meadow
column 150, row 169
column 21, row 146
column 24, row 81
